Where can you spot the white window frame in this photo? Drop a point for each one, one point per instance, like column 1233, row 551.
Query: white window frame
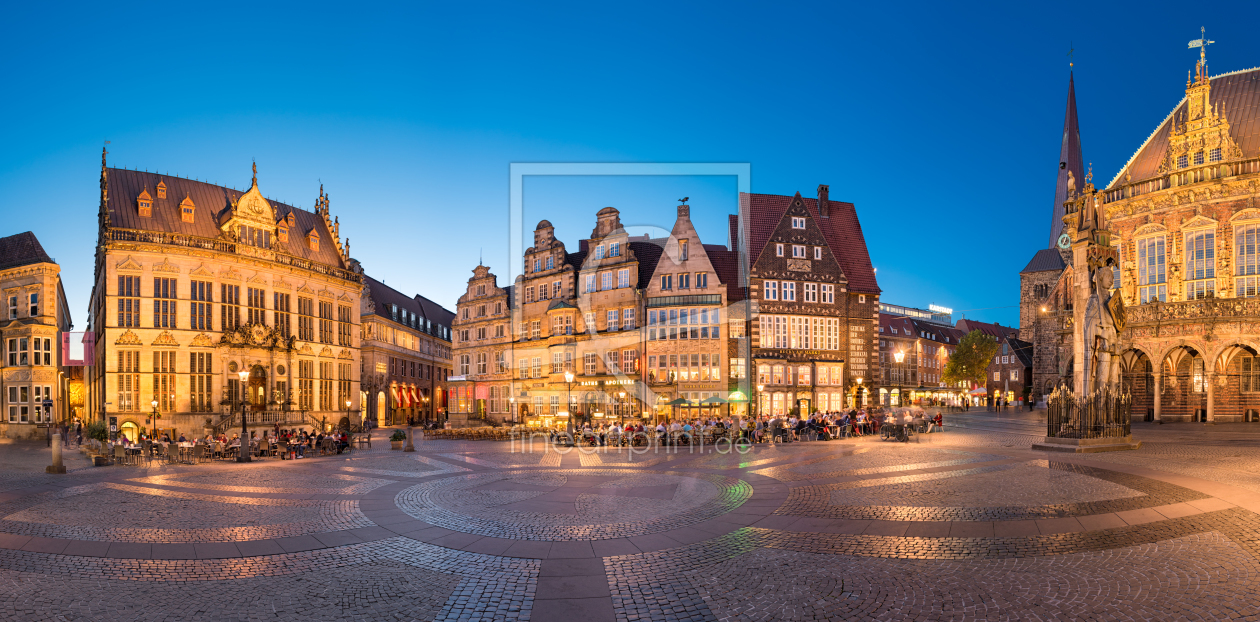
column 810, row 292
column 623, row 278
column 798, row 222
column 817, row 252
column 1152, row 286
column 1199, row 253
column 789, row 291
column 829, row 294
column 771, row 290
column 778, row 250
column 798, row 251
column 1247, row 260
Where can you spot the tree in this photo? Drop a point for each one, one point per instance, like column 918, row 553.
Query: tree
column 970, row 361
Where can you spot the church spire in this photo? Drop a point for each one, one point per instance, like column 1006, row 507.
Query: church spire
column 1070, row 163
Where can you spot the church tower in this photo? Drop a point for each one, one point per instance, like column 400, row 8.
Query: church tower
column 1070, row 165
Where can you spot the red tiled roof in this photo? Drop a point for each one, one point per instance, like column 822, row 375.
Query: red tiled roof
column 903, row 325
column 726, row 265
column 1236, row 94
column 841, row 228
column 997, row 331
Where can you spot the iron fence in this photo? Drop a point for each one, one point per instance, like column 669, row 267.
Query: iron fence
column 1102, row 414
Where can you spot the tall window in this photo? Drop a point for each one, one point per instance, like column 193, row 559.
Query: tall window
column 1249, row 373
column 500, row 363
column 590, row 283
column 612, row 319
column 464, row 362
column 343, row 385
column 230, row 306
column 682, row 250
column 811, row 292
column 129, row 301
column 606, row 281
column 325, row 386
column 306, row 384
column 164, row 303
column 201, row 294
column 828, row 293
column 325, row 322
column 281, row 313
column 623, row 278
column 255, row 306
column 41, row 393
column 772, row 290
column 614, row 249
column 344, row 324
column 588, row 363
column 630, row 361
column 535, row 367
column 306, row 323
column 1247, row 260
column 164, row 379
column 42, row 351
column 789, row 291
column 1200, row 265
column 1151, row 279
column 627, row 317
column 612, row 362
column 737, row 368
column 128, row 380
column 13, row 306
column 667, row 281
column 200, row 369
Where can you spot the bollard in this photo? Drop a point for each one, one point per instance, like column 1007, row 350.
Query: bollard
column 57, row 466
column 409, row 446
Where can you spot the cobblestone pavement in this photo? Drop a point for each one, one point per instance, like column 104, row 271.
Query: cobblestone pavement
column 970, row 524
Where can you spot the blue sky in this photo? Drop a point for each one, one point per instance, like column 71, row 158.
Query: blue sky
column 941, row 123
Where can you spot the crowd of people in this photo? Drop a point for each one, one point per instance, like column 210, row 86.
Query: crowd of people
column 761, row 429
column 297, row 441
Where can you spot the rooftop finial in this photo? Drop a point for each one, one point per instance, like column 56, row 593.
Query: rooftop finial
column 255, row 180
column 1071, row 58
column 1202, row 42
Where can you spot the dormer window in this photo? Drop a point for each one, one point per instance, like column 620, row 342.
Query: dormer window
column 144, row 203
column 291, row 219
column 282, row 231
column 1214, row 155
column 312, row 240
column 1198, row 157
column 161, row 190
column 186, row 207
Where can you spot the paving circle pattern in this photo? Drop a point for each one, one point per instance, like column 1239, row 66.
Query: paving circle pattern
column 572, row 504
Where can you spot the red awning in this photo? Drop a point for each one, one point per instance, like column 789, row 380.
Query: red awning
column 393, row 392
column 415, row 398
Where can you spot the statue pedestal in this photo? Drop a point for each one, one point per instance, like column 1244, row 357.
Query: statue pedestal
column 1087, row 445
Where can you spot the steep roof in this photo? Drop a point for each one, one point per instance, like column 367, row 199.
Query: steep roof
column 888, row 323
column 1236, row 96
column 211, row 201
column 1069, row 160
column 841, row 228
column 1021, row 349
column 423, row 308
column 997, row 331
column 22, row 249
column 1046, row 260
column 648, row 254
column 726, row 265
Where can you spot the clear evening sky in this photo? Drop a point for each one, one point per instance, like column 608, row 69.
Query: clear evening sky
column 941, row 123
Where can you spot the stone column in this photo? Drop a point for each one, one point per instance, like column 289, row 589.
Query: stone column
column 1211, row 394
column 57, row 466
column 1159, row 390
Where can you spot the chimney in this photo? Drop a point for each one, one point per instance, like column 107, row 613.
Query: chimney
column 824, row 210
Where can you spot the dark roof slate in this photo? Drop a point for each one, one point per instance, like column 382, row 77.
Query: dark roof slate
column 423, row 308
column 22, row 249
column 1238, row 96
column 210, row 202
column 1046, row 260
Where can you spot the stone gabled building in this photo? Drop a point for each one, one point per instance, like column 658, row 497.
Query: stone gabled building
column 35, row 316
column 482, row 384
column 406, row 355
column 814, row 303
column 1182, row 221
column 195, row 283
column 686, row 303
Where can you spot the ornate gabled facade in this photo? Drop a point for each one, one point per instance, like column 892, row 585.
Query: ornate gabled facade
column 686, row 302
column 195, row 283
column 814, row 321
column 34, row 318
column 1180, row 220
column 406, row 354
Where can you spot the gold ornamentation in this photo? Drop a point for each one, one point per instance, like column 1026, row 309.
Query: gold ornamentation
column 165, row 339
column 128, row 338
column 202, row 340
column 344, row 354
column 166, row 266
column 327, row 351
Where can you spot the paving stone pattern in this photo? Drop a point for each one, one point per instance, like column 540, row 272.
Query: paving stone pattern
column 967, row 525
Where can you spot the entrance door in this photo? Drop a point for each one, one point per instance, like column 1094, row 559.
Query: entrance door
column 258, row 388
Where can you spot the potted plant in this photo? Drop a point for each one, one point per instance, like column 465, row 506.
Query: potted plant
column 396, row 439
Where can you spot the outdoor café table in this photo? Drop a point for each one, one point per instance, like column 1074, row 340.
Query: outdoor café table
column 185, row 452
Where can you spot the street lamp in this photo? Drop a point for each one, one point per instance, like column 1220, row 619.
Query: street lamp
column 568, row 378
column 760, row 389
column 899, row 356
column 621, row 406
column 511, row 407
column 156, row 415
column 347, row 413
column 242, row 455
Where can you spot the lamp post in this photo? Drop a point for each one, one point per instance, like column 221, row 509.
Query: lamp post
column 568, row 378
column 347, row 414
column 899, row 356
column 760, row 389
column 621, row 406
column 155, row 415
column 512, row 408
column 243, row 454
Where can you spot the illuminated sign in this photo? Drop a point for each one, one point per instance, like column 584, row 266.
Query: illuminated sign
column 940, row 309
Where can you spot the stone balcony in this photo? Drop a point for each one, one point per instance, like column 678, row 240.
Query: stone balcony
column 1194, row 310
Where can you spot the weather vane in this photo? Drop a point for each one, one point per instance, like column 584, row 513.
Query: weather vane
column 1201, row 43
column 683, row 200
column 1071, row 58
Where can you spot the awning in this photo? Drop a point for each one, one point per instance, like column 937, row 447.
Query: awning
column 979, row 391
column 393, row 393
column 415, row 399
column 737, row 396
column 714, row 400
